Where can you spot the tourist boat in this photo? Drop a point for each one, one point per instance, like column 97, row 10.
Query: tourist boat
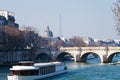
column 32, row 71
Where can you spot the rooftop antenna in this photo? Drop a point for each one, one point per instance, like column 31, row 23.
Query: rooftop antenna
column 60, row 25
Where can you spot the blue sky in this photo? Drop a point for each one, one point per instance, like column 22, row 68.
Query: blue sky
column 86, row 18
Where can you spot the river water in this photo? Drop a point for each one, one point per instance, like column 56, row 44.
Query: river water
column 80, row 71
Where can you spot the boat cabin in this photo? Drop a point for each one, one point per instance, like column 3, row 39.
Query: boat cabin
column 29, row 68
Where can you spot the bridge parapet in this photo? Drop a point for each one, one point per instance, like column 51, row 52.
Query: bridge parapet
column 114, row 48
column 69, row 48
column 93, row 48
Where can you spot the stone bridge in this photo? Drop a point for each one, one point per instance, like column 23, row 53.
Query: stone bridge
column 105, row 54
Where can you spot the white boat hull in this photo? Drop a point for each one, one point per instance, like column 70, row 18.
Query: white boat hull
column 15, row 77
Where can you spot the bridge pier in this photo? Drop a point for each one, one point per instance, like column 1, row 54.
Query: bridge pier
column 77, row 58
column 104, row 59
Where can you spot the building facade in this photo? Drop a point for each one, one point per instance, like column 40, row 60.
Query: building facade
column 7, row 24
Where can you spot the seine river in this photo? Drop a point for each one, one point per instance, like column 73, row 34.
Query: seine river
column 80, row 71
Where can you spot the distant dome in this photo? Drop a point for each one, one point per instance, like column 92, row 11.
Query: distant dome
column 47, row 32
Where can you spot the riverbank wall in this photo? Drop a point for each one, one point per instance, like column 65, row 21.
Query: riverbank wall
column 8, row 57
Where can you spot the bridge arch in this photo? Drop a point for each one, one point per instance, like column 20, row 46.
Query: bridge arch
column 42, row 57
column 64, row 56
column 83, row 57
column 111, row 56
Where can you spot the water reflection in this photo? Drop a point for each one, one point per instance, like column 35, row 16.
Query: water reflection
column 116, row 58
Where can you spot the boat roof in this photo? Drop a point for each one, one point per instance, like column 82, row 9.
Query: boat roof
column 24, row 68
column 47, row 64
column 26, row 62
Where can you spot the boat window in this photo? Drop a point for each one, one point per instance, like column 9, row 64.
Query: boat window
column 25, row 72
column 47, row 69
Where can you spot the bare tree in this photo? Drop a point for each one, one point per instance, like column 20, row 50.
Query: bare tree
column 12, row 31
column 28, row 28
column 76, row 41
column 30, row 36
column 13, row 37
column 116, row 11
column 57, row 43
